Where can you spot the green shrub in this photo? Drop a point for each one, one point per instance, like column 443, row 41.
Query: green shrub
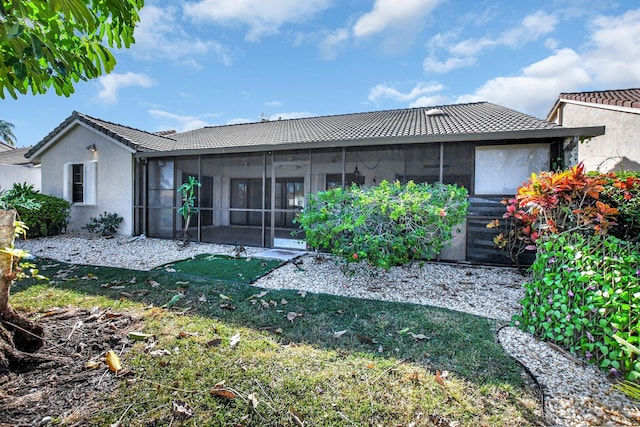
column 44, row 215
column 387, row 225
column 106, row 225
column 622, row 191
column 584, row 290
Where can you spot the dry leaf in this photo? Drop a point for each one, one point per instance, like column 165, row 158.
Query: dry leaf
column 296, row 417
column 227, row 306
column 219, row 390
column 264, row 303
column 303, row 294
column 132, row 281
column 223, row 296
column 113, row 361
column 440, row 379
column 253, row 399
column 365, row 339
column 292, row 315
column 153, row 283
column 278, row 331
column 182, row 283
column 260, row 295
column 138, row 336
column 202, row 298
column 418, row 336
column 339, row 333
column 284, row 301
column 182, row 409
column 92, row 364
column 214, row 342
column 160, row 353
column 234, row 340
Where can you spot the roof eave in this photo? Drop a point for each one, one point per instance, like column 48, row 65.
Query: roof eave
column 559, row 132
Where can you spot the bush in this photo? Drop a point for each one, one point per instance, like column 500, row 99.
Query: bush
column 622, row 191
column 106, row 225
column 584, row 290
column 44, row 215
column 384, row 226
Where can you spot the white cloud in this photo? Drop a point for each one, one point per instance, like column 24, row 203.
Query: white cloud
column 333, row 42
column 393, row 14
column 464, row 53
column 178, row 122
column 160, row 35
column 113, row 82
column 273, row 104
column 613, row 54
column 537, row 86
column 263, row 17
column 384, row 91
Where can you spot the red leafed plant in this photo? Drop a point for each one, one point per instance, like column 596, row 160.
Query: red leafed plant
column 553, row 202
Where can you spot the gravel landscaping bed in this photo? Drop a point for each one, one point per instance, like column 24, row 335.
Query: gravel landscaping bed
column 575, row 394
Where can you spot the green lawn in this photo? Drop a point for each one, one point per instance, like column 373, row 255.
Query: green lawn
column 286, row 357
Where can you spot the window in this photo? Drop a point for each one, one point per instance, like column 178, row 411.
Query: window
column 77, row 183
column 80, row 183
column 500, row 169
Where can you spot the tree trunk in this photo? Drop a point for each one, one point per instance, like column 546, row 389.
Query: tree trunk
column 18, row 335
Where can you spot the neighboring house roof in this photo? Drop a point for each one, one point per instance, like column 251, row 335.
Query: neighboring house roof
column 480, row 121
column 136, row 139
column 5, row 147
column 618, row 99
column 15, row 156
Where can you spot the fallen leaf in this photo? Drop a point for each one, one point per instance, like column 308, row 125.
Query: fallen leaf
column 284, row 301
column 183, row 335
column 214, row 342
column 134, row 280
column 292, row 315
column 296, row 417
column 303, row 294
column 224, row 297
column 153, row 283
column 234, row 340
column 160, row 353
column 92, row 364
column 273, row 303
column 138, row 336
column 260, row 295
column 182, row 409
column 126, row 294
column 173, row 301
column 113, row 361
column 202, row 298
column 365, row 339
column 220, row 390
column 170, row 270
column 182, row 283
column 440, row 379
column 418, row 336
column 227, row 306
column 278, row 331
column 339, row 333
column 253, row 399
column 264, row 303
column 403, row 331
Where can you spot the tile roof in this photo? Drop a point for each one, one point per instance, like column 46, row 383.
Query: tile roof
column 618, row 97
column 131, row 137
column 460, row 122
column 14, row 156
column 466, row 120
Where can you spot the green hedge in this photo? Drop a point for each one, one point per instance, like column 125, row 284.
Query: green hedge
column 44, row 215
column 585, row 290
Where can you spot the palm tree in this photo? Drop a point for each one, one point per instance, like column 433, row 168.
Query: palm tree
column 6, row 132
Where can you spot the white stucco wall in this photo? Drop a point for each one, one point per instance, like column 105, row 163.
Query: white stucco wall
column 618, row 148
column 11, row 174
column 114, row 175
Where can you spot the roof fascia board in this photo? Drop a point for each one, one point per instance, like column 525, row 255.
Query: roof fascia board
column 602, row 106
column 68, row 128
column 561, row 132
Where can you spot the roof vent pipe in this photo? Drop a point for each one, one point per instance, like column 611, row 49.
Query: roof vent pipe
column 434, row 112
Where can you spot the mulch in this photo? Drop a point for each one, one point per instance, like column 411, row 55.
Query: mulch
column 67, row 390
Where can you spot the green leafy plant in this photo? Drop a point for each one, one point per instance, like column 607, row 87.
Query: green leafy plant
column 622, row 191
column 584, row 290
column 105, row 225
column 387, row 225
column 188, row 208
column 43, row 215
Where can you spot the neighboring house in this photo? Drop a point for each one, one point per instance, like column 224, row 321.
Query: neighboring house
column 16, row 168
column 255, row 177
column 619, row 111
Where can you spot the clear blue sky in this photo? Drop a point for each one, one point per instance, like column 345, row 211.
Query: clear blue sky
column 215, row 62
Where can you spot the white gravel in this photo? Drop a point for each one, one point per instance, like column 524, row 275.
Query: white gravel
column 576, row 394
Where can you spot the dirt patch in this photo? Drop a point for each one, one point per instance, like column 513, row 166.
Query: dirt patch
column 67, row 391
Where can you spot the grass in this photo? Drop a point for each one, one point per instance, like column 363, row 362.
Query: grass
column 301, row 358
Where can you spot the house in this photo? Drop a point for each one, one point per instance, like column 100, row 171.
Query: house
column 16, row 168
column 255, row 176
column 619, row 111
